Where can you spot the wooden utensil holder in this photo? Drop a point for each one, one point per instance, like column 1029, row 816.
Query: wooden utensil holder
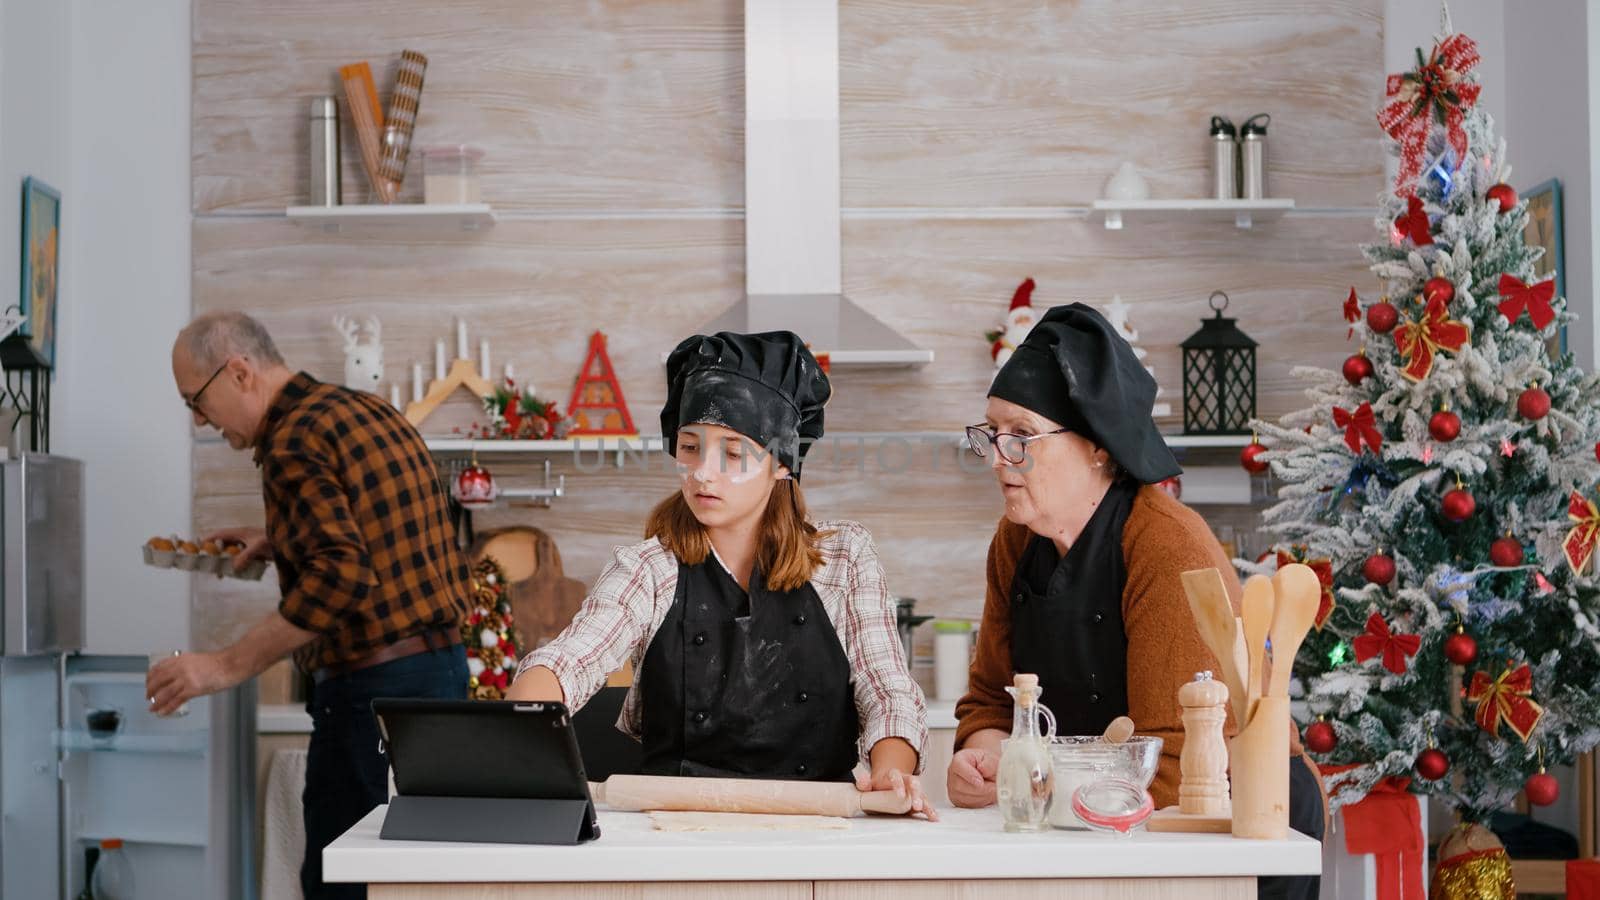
column 1260, row 760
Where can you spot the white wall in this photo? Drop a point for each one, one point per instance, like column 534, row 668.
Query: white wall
column 1547, row 136
column 94, row 99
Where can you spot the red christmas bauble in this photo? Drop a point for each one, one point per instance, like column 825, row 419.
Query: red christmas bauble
column 1597, row 451
column 1542, row 789
column 1432, row 764
column 1506, row 552
column 1445, row 426
column 1378, row 569
column 1320, row 737
column 1458, row 505
column 1357, row 368
column 1382, row 317
column 474, row 486
column 1461, row 649
column 1534, row 404
column 1505, row 195
column 1251, row 459
column 1438, row 288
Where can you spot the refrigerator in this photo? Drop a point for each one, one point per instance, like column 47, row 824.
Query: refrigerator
column 81, row 757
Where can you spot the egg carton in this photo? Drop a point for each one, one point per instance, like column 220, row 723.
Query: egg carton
column 220, row 565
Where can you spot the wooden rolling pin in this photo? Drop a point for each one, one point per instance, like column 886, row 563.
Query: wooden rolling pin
column 815, row 798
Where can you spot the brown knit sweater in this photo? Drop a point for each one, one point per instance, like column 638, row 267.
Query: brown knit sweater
column 1161, row 539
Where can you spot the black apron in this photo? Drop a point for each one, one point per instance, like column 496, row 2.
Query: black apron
column 1066, row 619
column 744, row 685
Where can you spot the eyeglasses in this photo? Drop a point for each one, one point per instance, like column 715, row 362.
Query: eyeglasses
column 1013, row 448
column 193, row 402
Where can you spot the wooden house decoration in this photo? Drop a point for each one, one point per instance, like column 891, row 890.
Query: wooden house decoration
column 463, row 375
column 597, row 404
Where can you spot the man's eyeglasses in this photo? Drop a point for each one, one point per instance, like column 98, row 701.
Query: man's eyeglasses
column 1013, row 448
column 193, row 401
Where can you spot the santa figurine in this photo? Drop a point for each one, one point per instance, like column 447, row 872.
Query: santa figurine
column 1019, row 321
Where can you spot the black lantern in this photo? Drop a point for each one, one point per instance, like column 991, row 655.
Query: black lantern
column 1219, row 376
column 27, row 390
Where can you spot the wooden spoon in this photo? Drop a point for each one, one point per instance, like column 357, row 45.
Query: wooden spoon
column 1259, row 600
column 1299, row 593
column 1213, row 615
column 1120, row 729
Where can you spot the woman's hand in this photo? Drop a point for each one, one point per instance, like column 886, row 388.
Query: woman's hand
column 970, row 781
column 892, row 778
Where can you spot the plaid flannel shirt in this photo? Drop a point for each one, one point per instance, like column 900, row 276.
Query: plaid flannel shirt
column 359, row 523
column 632, row 596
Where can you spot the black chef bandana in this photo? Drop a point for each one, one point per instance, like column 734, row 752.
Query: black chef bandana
column 1075, row 369
column 767, row 387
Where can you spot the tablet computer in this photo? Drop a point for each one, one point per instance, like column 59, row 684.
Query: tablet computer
column 493, row 771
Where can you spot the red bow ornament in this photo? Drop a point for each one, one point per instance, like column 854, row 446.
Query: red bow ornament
column 1352, row 312
column 1419, row 341
column 1438, row 90
column 1578, row 546
column 1506, row 699
column 1359, row 426
column 1413, row 223
column 1535, row 299
column 1378, row 639
column 1324, row 570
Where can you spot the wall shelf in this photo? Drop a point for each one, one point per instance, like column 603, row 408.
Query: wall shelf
column 188, row 743
column 145, row 836
column 410, row 216
column 1243, row 213
column 455, row 445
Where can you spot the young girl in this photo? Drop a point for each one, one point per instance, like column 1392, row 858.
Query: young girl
column 763, row 645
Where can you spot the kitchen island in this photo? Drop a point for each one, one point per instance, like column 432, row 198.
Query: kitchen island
column 964, row 855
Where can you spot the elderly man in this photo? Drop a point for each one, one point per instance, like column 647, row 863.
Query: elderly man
column 373, row 585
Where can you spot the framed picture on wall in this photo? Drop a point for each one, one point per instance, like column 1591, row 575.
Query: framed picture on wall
column 41, row 241
column 1543, row 229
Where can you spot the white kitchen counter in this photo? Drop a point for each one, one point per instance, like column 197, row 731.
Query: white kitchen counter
column 966, row 845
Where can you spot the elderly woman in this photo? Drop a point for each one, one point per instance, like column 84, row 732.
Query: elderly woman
column 1083, row 571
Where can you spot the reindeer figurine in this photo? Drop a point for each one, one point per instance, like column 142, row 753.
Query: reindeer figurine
column 363, row 360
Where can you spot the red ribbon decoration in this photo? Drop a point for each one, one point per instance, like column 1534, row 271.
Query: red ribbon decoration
column 1578, row 545
column 1436, row 91
column 1388, row 824
column 1378, row 639
column 1535, row 299
column 1413, row 223
column 1420, row 340
column 1359, row 426
column 1352, row 312
column 1506, row 699
column 1324, row 570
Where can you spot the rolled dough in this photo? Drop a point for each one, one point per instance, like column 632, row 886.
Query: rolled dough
column 726, row 821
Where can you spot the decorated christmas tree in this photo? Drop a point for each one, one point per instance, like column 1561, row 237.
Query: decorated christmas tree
column 490, row 637
column 1444, row 485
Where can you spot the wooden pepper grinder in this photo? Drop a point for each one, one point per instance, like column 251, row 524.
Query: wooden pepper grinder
column 1203, row 801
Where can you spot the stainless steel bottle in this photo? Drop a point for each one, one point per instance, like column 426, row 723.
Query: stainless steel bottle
column 1253, row 156
column 1224, row 159
column 325, row 152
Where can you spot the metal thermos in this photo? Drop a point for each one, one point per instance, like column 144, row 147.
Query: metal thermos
column 1253, row 156
column 325, row 152
column 1224, row 159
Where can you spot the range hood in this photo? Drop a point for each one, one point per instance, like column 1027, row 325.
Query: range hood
column 791, row 165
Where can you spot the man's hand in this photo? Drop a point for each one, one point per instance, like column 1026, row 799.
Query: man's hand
column 175, row 681
column 256, row 545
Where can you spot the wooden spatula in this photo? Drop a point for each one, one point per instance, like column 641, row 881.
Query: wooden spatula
column 1299, row 593
column 1213, row 614
column 1259, row 599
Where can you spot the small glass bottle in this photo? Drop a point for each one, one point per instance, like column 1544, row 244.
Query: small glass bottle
column 113, row 875
column 1025, row 782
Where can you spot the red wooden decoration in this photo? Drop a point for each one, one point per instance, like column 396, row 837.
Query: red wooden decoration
column 597, row 404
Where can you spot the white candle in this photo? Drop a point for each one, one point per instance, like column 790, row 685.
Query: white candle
column 508, row 372
column 394, row 395
column 461, row 339
column 416, row 382
column 438, row 360
column 483, row 358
